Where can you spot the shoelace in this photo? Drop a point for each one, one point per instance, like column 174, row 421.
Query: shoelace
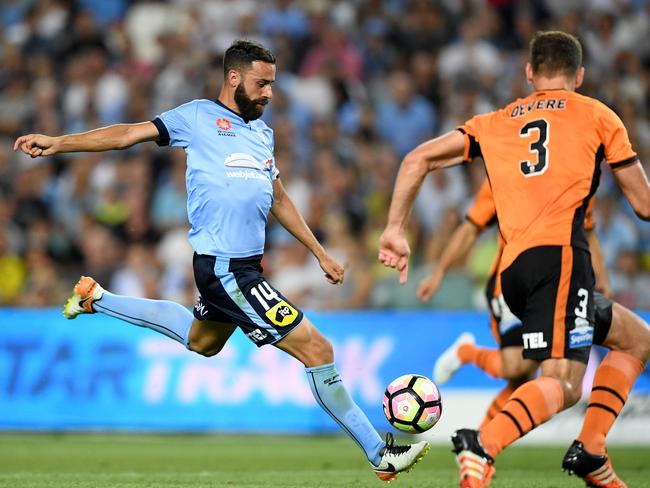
column 392, row 449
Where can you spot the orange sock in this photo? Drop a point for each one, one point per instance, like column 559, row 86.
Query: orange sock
column 532, row 404
column 489, row 360
column 612, row 384
column 497, row 405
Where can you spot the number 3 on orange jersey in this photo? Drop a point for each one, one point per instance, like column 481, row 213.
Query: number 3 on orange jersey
column 538, row 146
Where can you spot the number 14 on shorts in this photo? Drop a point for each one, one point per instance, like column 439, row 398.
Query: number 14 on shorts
column 277, row 310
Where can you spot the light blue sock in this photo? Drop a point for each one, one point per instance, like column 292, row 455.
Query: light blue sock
column 331, row 395
column 168, row 318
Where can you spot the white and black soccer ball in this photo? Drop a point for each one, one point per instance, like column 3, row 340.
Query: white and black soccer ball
column 412, row 403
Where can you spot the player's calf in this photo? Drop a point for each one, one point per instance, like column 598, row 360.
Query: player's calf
column 628, row 333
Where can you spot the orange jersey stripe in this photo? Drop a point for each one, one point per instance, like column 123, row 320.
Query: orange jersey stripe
column 559, row 317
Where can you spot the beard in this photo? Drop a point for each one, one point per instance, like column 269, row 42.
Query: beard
column 249, row 109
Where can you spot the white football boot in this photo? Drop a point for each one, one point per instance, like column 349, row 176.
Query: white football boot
column 398, row 459
column 84, row 293
column 449, row 362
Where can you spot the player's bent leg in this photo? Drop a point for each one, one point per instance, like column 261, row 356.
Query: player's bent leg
column 163, row 316
column 208, row 337
column 517, row 371
column 308, row 345
column 628, row 333
column 629, row 340
column 451, row 360
column 534, row 403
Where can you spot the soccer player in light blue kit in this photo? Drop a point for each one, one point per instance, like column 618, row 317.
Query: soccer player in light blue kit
column 232, row 184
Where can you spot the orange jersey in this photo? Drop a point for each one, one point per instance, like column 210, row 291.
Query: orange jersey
column 483, row 213
column 542, row 156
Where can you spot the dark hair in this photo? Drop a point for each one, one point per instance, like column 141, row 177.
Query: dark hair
column 555, row 52
column 242, row 53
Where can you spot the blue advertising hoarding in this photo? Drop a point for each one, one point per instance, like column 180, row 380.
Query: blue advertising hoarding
column 99, row 373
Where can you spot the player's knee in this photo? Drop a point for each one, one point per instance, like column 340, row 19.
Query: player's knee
column 205, row 346
column 322, row 351
column 517, row 373
column 572, row 392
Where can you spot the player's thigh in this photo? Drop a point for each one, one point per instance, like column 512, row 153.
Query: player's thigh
column 307, row 345
column 515, row 367
column 207, row 337
column 551, row 290
column 628, row 333
column 233, row 290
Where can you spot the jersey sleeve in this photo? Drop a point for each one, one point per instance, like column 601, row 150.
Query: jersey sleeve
column 590, row 219
column 614, row 137
column 483, row 212
column 176, row 126
column 470, row 130
column 275, row 172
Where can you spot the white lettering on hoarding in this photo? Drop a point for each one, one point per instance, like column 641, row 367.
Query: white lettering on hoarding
column 177, row 375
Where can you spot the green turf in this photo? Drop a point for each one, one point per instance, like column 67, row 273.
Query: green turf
column 81, row 461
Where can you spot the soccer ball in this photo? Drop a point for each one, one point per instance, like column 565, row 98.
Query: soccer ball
column 412, row 403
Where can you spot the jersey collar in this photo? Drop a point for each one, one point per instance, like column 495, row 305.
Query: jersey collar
column 218, row 102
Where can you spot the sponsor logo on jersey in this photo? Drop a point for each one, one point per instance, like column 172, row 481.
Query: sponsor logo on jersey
column 243, row 160
column 282, row 314
column 257, row 335
column 582, row 336
column 246, row 175
column 248, row 163
column 200, row 307
column 534, row 340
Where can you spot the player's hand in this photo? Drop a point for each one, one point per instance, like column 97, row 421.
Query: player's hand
column 333, row 269
column 36, row 145
column 604, row 289
column 394, row 252
column 429, row 286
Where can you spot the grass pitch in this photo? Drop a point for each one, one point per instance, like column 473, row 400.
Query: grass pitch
column 89, row 460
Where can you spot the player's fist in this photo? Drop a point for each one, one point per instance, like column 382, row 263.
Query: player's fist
column 36, row 145
column 333, row 269
column 394, row 252
column 429, row 287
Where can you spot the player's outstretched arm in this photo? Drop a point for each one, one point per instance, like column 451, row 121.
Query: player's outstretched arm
column 441, row 152
column 288, row 215
column 119, row 136
column 634, row 183
column 458, row 246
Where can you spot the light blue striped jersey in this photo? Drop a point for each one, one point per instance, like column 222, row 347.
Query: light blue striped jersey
column 229, row 177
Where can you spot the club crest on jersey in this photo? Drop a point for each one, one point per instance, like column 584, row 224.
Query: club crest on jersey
column 225, row 127
column 224, row 124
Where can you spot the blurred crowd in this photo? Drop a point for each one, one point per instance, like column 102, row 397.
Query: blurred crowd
column 360, row 82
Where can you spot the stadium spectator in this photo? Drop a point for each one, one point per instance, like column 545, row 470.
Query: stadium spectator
column 91, row 63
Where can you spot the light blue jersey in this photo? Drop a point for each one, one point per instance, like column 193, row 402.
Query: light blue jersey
column 229, row 177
